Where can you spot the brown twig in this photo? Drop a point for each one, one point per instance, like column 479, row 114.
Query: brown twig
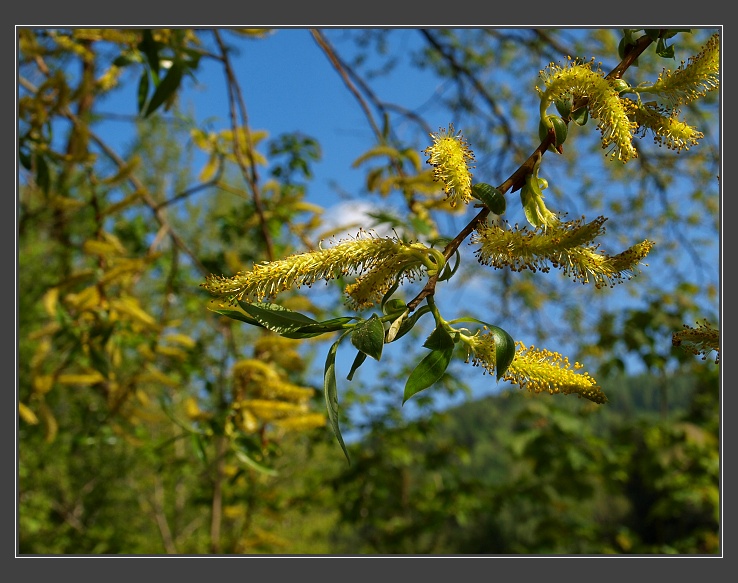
column 248, row 169
column 339, row 66
column 194, row 189
column 469, row 75
column 349, row 76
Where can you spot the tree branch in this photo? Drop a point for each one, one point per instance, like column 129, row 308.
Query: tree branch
column 248, row 170
column 516, row 180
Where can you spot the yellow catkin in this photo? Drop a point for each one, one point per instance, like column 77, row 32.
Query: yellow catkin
column 450, row 156
column 579, row 81
column 540, row 370
column 348, row 257
column 567, row 246
column 694, row 79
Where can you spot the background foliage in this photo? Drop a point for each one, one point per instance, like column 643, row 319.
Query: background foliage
column 148, row 424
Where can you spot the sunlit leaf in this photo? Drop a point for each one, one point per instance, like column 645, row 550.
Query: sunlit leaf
column 492, row 198
column 331, row 393
column 368, row 336
column 166, row 88
column 247, row 460
column 428, row 371
column 439, row 339
column 275, row 317
column 358, row 361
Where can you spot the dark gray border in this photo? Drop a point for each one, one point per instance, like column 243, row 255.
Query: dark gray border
column 419, row 16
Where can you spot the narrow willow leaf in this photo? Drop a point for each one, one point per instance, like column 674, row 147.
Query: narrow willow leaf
column 493, row 199
column 253, row 464
column 368, row 336
column 428, row 371
column 166, row 88
column 43, row 176
column 331, row 393
column 275, row 317
column 312, row 330
column 662, row 50
column 143, row 91
column 148, row 46
column 358, row 361
column 199, row 447
column 236, row 315
column 652, row 33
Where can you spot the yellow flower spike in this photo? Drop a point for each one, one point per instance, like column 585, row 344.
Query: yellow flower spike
column 450, row 156
column 699, row 341
column 539, row 370
column 566, row 246
column 481, row 351
column 604, row 103
column 302, row 422
column 694, row 79
column 667, row 129
column 361, row 254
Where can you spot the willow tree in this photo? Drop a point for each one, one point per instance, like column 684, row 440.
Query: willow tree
column 123, row 245
column 580, row 91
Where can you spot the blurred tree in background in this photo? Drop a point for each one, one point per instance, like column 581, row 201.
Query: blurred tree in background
column 149, row 424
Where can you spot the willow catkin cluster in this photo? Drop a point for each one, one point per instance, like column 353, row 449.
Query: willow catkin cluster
column 540, row 370
column 350, row 256
column 693, row 79
column 568, row 246
column 579, row 81
column 668, row 130
column 450, row 156
column 699, row 341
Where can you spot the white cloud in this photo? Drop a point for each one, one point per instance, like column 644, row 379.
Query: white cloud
column 347, row 218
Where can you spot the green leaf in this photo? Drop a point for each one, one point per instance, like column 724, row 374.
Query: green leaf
column 675, row 31
column 368, row 336
column 563, row 106
column 428, row 371
column 283, row 321
column 504, row 344
column 504, row 349
column 580, row 116
column 394, row 306
column 236, row 315
column 492, row 198
column 275, row 317
column 43, row 176
column 439, row 339
column 358, row 361
column 448, row 271
column 253, row 464
column 149, row 47
column 652, row 33
column 331, row 393
column 199, row 447
column 312, row 330
column 24, row 156
column 664, row 51
column 143, row 91
column 166, row 88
